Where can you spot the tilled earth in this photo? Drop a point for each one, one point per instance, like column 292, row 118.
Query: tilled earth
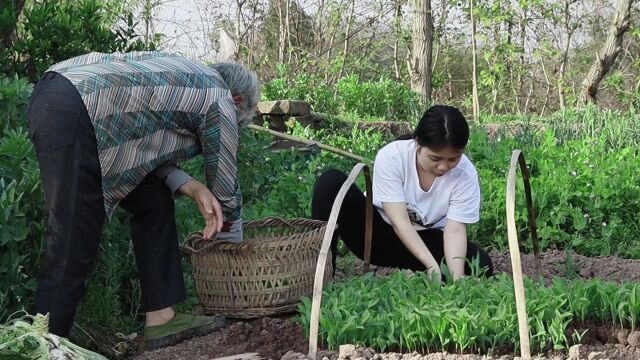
column 282, row 338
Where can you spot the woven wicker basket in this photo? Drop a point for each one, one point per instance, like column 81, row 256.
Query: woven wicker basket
column 266, row 274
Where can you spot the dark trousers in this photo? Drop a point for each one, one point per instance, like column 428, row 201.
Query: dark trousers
column 386, row 248
column 65, row 145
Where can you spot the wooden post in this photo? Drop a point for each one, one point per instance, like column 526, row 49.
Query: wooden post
column 518, row 284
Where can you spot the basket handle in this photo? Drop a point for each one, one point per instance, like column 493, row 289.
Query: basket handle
column 326, row 243
column 187, row 245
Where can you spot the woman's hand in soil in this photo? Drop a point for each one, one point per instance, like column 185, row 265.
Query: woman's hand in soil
column 208, row 206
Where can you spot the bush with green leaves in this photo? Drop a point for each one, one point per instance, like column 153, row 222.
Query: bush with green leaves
column 52, row 30
column 113, row 299
column 14, row 96
column 383, row 99
column 303, row 86
column 586, row 194
column 414, row 313
column 22, row 222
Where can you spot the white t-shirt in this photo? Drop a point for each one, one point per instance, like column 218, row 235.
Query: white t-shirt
column 455, row 195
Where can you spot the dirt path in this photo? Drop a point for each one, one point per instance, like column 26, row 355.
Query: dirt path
column 277, row 337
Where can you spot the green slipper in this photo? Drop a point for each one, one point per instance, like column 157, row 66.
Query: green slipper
column 181, row 327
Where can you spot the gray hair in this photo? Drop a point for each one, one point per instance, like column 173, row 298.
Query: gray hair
column 244, row 82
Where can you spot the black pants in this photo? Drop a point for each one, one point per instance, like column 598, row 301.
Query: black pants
column 386, row 248
column 65, row 144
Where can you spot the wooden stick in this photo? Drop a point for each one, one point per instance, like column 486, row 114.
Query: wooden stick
column 309, row 142
column 514, row 250
column 324, row 252
column 531, row 212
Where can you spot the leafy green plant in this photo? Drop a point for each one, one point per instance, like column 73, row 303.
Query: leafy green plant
column 576, row 183
column 280, row 183
column 570, row 269
column 383, row 99
column 303, row 86
column 478, row 314
column 27, row 337
column 51, row 31
column 113, row 298
column 23, row 222
column 14, row 96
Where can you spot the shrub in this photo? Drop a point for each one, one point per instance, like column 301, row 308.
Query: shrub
column 22, row 222
column 53, row 30
column 14, row 96
column 303, row 87
column 382, row 99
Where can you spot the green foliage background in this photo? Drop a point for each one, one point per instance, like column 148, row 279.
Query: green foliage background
column 583, row 163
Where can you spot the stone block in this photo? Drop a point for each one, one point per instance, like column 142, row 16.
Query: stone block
column 284, row 107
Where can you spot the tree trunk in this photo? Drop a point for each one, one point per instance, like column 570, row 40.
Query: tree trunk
column 565, row 51
column 287, row 30
column 282, row 34
column 397, row 29
column 474, row 55
column 236, row 50
column 319, row 29
column 345, row 49
column 252, row 35
column 608, row 54
column 421, row 50
column 444, row 43
column 548, row 92
column 440, row 31
column 10, row 36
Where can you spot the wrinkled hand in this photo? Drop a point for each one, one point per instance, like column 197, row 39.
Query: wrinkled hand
column 207, row 204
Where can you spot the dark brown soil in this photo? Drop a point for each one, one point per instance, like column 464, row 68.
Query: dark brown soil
column 274, row 337
column 557, row 263
column 270, row 337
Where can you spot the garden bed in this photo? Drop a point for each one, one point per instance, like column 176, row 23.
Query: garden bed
column 281, row 336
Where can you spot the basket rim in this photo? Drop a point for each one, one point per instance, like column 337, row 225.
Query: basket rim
column 190, row 243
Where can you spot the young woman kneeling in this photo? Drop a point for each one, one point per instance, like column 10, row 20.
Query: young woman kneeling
column 425, row 191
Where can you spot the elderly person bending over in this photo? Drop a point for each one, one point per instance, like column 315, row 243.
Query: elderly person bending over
column 109, row 130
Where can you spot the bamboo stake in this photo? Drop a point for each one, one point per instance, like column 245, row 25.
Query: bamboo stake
column 309, row 142
column 324, row 250
column 514, row 250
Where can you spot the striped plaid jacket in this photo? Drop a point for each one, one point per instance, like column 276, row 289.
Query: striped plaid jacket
column 150, row 109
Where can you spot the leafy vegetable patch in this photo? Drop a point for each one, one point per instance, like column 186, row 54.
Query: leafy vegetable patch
column 413, row 313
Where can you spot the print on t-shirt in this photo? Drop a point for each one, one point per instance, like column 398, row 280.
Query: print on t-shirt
column 418, row 217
